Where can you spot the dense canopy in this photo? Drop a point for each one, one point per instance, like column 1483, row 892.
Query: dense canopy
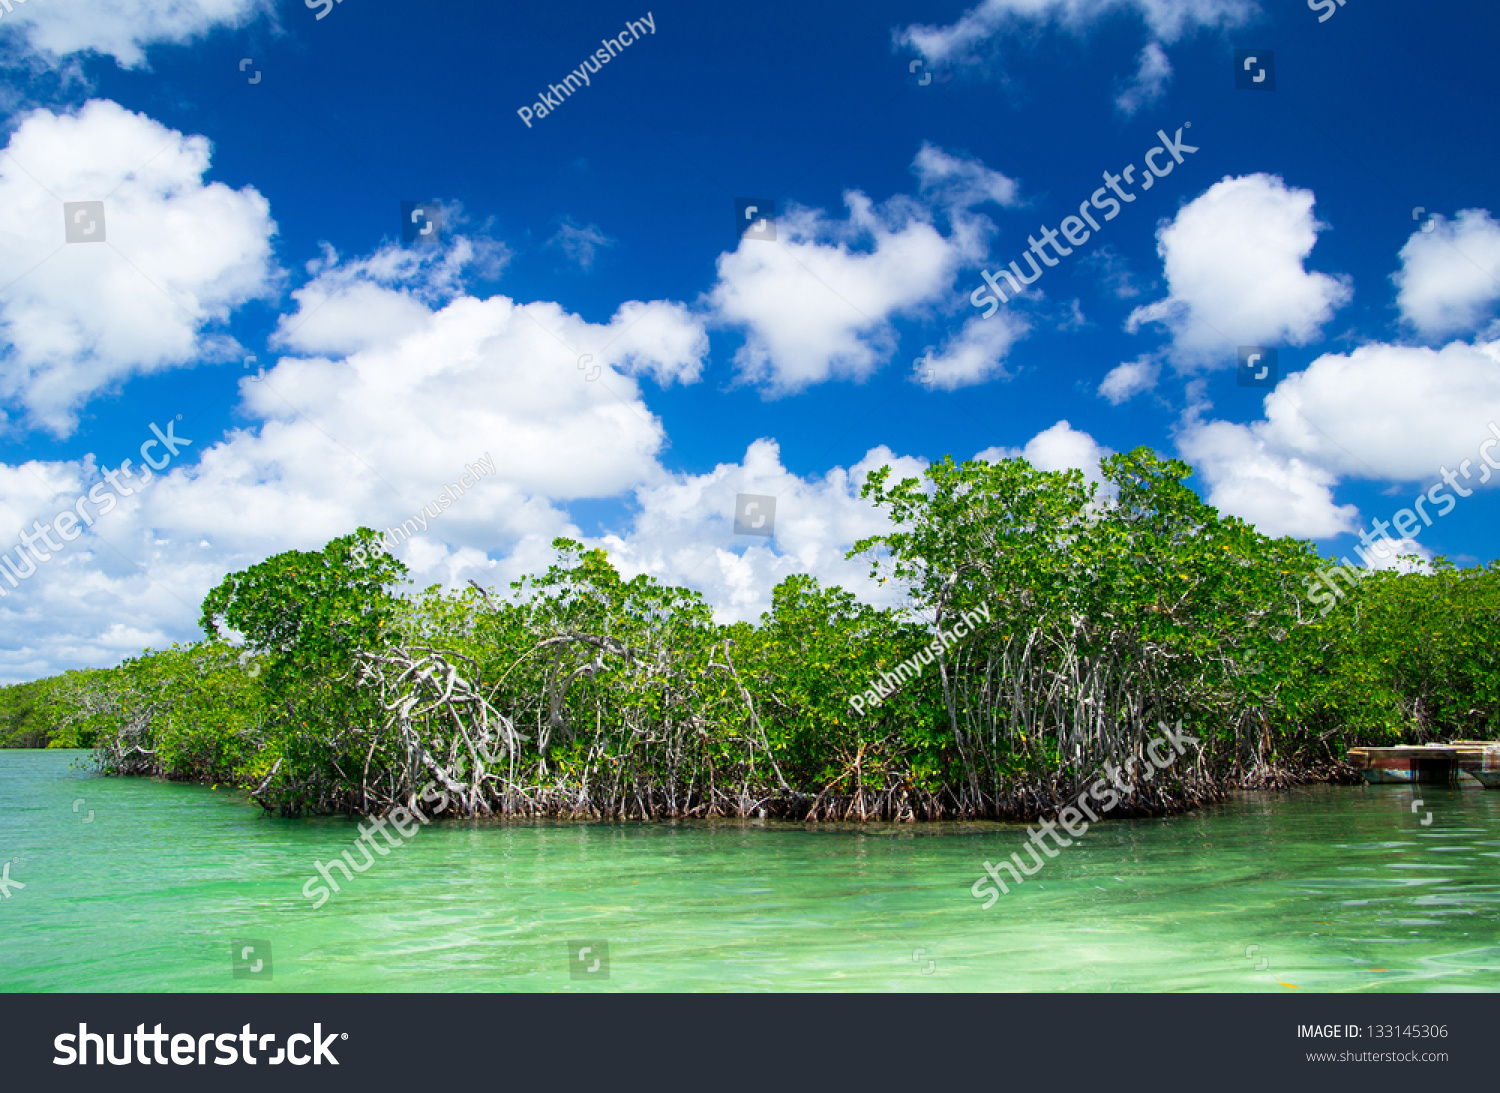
column 1092, row 615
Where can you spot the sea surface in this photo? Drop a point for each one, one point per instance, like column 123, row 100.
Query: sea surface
column 139, row 885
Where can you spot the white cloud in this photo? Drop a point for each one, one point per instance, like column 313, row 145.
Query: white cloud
column 662, row 339
column 1396, row 554
column 581, row 243
column 1058, row 448
column 1167, row 21
column 370, row 437
column 1449, row 279
column 1129, row 379
column 1382, row 413
column 124, row 28
column 975, row 354
column 1387, row 412
column 177, row 257
column 961, row 182
column 1152, row 74
column 1233, row 259
column 817, row 303
column 1280, row 494
column 684, row 532
column 350, row 306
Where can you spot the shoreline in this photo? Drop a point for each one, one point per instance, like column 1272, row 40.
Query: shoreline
column 841, row 811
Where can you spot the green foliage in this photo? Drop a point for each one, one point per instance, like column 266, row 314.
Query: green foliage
column 29, row 713
column 1094, row 611
column 1409, row 657
column 310, row 610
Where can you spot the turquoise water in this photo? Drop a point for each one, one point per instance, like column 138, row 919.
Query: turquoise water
column 1325, row 889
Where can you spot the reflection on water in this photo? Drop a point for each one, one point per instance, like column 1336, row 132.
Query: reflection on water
column 1319, row 889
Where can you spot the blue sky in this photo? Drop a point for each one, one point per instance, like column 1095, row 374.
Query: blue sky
column 263, row 218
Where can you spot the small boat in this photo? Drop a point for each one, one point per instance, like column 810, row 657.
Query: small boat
column 1427, row 764
column 1480, row 759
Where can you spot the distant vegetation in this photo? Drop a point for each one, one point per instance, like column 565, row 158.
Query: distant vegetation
column 583, row 694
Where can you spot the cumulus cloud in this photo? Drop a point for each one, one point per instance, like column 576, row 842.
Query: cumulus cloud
column 1388, row 412
column 352, row 304
column 1383, row 413
column 1280, row 493
column 1153, row 73
column 293, row 484
column 178, row 255
column 1401, row 555
column 1129, row 379
column 684, row 532
column 1166, row 20
column 1233, row 259
column 125, row 28
column 349, row 306
column 817, row 303
column 1449, row 280
column 1058, row 448
column 975, row 354
column 357, row 428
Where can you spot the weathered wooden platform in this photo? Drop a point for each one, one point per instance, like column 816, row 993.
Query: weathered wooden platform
column 1425, row 764
column 1429, row 764
column 1480, row 759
